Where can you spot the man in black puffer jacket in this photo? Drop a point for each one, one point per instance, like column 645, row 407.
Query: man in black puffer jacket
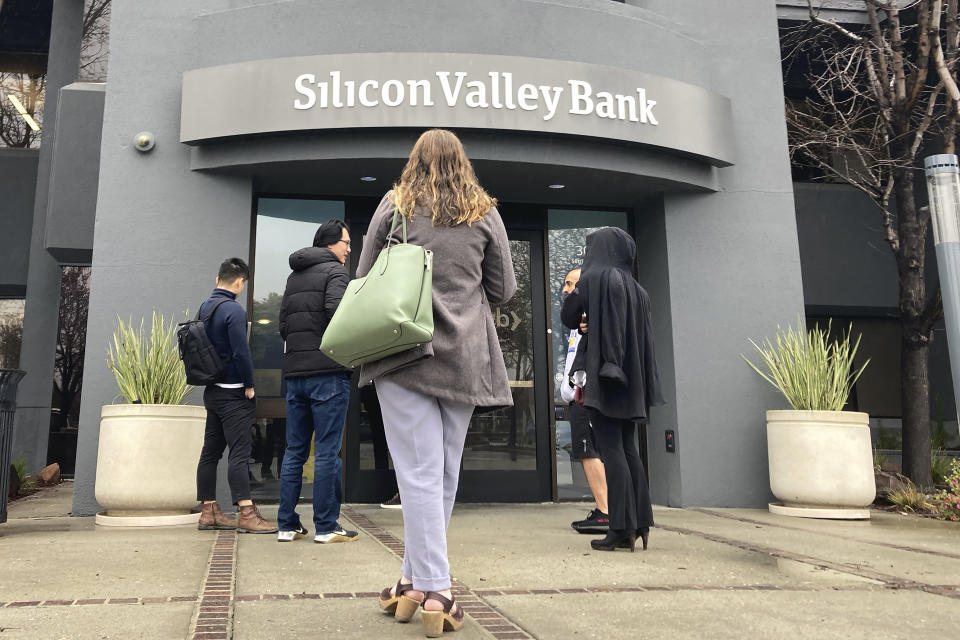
column 318, row 389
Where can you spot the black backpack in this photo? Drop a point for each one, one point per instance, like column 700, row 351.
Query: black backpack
column 200, row 360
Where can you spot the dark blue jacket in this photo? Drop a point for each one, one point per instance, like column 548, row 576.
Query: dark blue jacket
column 227, row 330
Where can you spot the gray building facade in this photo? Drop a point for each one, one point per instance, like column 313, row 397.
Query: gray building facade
column 246, row 161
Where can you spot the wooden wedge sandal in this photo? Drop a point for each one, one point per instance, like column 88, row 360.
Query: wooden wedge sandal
column 436, row 622
column 401, row 606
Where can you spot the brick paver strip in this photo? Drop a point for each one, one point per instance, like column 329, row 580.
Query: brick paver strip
column 56, row 603
column 92, row 601
column 213, row 613
column 124, row 600
column 32, row 603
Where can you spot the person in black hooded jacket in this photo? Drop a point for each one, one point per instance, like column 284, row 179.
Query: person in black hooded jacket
column 318, row 389
column 622, row 381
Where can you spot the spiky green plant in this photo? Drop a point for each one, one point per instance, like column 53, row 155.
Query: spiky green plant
column 20, row 469
column 910, row 499
column 812, row 371
column 148, row 368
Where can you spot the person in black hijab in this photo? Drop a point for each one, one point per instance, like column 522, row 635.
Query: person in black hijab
column 622, row 381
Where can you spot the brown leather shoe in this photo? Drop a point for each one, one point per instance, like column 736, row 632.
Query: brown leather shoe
column 212, row 518
column 250, row 521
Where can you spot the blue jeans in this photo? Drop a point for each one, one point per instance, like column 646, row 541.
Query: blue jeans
column 317, row 407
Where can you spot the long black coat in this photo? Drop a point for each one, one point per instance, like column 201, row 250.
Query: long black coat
column 622, row 377
column 312, row 295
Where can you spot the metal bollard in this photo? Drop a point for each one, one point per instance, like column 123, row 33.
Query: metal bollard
column 9, row 379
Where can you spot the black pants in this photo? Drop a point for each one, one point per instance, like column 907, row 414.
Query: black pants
column 628, row 495
column 229, row 418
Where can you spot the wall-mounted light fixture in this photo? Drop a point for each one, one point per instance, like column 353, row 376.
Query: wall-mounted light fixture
column 144, row 141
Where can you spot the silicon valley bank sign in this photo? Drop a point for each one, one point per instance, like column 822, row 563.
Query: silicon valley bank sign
column 421, row 90
column 497, row 91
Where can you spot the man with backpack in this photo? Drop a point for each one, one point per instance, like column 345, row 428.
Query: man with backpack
column 230, row 401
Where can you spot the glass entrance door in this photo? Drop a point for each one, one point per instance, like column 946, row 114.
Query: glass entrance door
column 507, row 453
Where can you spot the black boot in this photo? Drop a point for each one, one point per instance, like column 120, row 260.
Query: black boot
column 616, row 538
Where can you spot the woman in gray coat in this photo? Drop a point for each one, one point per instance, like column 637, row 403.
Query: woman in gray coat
column 428, row 394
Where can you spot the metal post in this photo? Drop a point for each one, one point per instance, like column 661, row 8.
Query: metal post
column 943, row 187
column 9, row 379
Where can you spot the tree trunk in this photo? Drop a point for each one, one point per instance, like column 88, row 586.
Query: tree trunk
column 915, row 339
column 915, row 398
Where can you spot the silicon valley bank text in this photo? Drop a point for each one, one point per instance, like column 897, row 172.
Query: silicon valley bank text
column 496, row 90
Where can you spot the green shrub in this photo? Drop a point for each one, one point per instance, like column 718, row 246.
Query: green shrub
column 812, row 371
column 148, row 369
column 939, row 466
column 939, row 437
column 947, row 502
column 879, row 459
column 891, row 439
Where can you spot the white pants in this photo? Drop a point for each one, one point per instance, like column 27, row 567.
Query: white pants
column 425, row 436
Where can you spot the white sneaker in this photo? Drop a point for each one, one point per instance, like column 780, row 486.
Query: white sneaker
column 338, row 535
column 290, row 536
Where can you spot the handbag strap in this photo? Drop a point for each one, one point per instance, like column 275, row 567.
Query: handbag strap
column 393, row 225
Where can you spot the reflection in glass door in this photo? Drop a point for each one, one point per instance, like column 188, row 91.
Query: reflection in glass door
column 283, row 225
column 506, row 456
column 567, row 231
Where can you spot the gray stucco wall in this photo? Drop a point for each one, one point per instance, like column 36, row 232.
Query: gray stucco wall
column 161, row 229
column 32, row 421
column 18, row 184
column 734, row 264
column 73, row 174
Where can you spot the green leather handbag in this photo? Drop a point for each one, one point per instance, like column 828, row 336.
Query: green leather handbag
column 389, row 310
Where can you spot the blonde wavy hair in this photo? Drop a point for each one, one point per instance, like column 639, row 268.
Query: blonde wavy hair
column 439, row 177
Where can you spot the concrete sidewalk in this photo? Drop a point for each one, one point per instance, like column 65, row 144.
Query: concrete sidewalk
column 521, row 573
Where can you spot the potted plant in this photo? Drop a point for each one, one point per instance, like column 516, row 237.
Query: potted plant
column 820, row 457
column 150, row 444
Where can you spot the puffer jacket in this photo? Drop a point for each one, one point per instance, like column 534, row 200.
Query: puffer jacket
column 312, row 295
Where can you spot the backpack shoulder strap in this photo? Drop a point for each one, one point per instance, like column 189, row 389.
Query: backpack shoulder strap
column 213, row 309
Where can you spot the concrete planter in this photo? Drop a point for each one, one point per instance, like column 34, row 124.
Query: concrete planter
column 147, row 464
column 821, row 463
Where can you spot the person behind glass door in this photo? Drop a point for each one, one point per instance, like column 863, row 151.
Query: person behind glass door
column 230, row 406
column 582, row 438
column 429, row 393
column 318, row 389
column 622, row 381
